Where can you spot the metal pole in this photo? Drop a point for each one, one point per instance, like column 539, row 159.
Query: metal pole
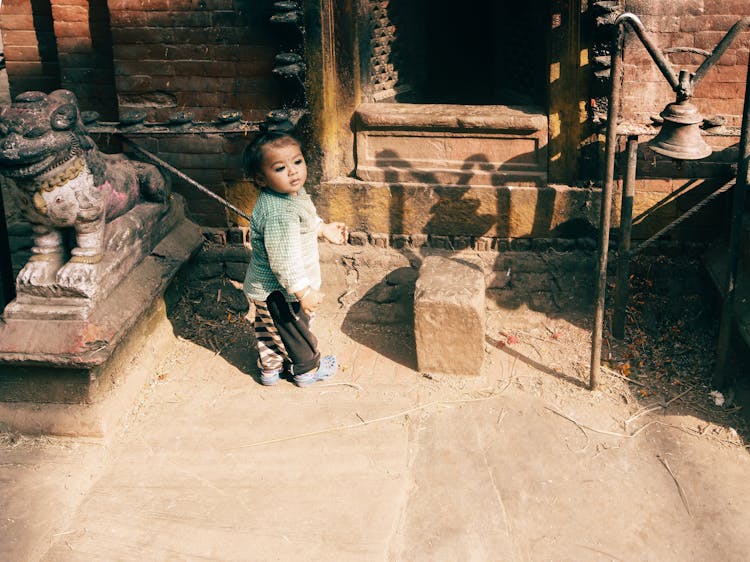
column 7, row 282
column 185, row 177
column 606, row 206
column 723, row 45
column 657, row 56
column 626, row 224
column 738, row 208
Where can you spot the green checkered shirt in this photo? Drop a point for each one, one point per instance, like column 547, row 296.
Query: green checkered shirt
column 284, row 238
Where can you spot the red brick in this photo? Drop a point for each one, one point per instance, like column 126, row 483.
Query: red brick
column 74, row 45
column 93, row 60
column 253, row 69
column 729, row 58
column 708, row 39
column 204, row 69
column 80, row 75
column 17, row 21
column 728, row 74
column 142, row 35
column 71, row 3
column 719, row 107
column 23, row 68
column 720, row 90
column 153, row 68
column 188, row 52
column 13, row 53
column 193, row 144
column 70, row 13
column 19, row 38
column 13, row 7
column 150, row 5
column 727, row 7
column 198, row 99
column 662, row 24
column 707, row 23
column 72, row 29
column 742, row 41
column 196, row 4
column 195, row 36
column 191, row 19
column 190, row 84
column 260, row 54
column 260, row 85
column 677, row 40
column 134, row 83
column 127, row 18
column 665, row 7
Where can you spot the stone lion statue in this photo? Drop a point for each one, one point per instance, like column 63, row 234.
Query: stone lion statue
column 63, row 183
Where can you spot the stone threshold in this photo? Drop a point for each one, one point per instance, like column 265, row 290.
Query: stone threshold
column 478, row 145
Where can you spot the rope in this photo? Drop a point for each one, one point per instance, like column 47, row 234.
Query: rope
column 185, row 177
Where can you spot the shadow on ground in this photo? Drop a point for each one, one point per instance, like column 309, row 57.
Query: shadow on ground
column 383, row 318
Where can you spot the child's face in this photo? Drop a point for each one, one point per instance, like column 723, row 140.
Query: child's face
column 283, row 169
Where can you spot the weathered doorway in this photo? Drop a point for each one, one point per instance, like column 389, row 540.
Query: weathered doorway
column 475, row 52
column 455, row 92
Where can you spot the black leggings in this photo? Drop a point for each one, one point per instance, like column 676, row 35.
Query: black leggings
column 293, row 325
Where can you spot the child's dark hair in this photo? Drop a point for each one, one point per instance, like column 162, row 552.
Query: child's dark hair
column 252, row 156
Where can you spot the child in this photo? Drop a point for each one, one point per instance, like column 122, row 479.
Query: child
column 283, row 279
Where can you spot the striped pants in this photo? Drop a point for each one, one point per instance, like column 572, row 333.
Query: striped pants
column 283, row 336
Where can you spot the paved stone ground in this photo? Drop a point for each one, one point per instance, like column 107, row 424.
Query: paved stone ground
column 519, row 462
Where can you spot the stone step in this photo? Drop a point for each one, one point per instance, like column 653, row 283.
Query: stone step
column 472, row 145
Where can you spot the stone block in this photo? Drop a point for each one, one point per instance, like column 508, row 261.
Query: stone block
column 451, row 144
column 449, row 315
column 79, row 362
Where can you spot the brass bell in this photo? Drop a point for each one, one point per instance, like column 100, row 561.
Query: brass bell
column 680, row 136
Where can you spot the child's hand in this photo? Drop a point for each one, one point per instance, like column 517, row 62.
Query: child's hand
column 311, row 300
column 334, row 232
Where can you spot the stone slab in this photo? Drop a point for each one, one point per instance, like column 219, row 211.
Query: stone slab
column 129, row 370
column 449, row 315
column 451, row 144
column 432, row 209
column 75, row 361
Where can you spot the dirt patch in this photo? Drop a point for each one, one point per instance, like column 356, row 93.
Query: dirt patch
column 670, row 345
column 666, row 357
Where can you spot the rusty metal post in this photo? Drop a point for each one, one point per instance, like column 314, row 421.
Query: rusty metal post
column 623, row 253
column 7, row 282
column 606, row 206
column 735, row 233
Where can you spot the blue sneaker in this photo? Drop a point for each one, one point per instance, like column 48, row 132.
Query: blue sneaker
column 327, row 368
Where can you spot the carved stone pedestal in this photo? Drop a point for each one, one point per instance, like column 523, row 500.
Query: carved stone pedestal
column 58, row 372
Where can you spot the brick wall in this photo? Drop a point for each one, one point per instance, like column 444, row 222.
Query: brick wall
column 699, row 24
column 214, row 161
column 84, row 48
column 160, row 56
column 201, row 56
column 30, row 47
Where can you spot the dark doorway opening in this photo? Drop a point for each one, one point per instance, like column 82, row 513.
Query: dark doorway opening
column 467, row 52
